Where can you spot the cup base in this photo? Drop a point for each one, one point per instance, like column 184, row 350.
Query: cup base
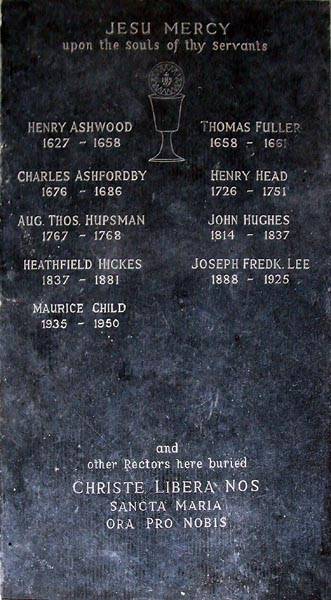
column 166, row 152
column 161, row 159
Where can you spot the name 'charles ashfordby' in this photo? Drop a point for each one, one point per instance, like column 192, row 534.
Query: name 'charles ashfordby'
column 89, row 175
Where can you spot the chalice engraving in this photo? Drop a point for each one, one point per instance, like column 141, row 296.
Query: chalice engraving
column 166, row 81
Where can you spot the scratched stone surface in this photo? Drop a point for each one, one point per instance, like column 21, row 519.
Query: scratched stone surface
column 223, row 372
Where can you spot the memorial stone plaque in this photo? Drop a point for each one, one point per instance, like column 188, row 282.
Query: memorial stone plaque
column 164, row 300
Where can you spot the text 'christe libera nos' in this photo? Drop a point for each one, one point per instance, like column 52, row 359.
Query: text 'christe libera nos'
column 161, row 496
